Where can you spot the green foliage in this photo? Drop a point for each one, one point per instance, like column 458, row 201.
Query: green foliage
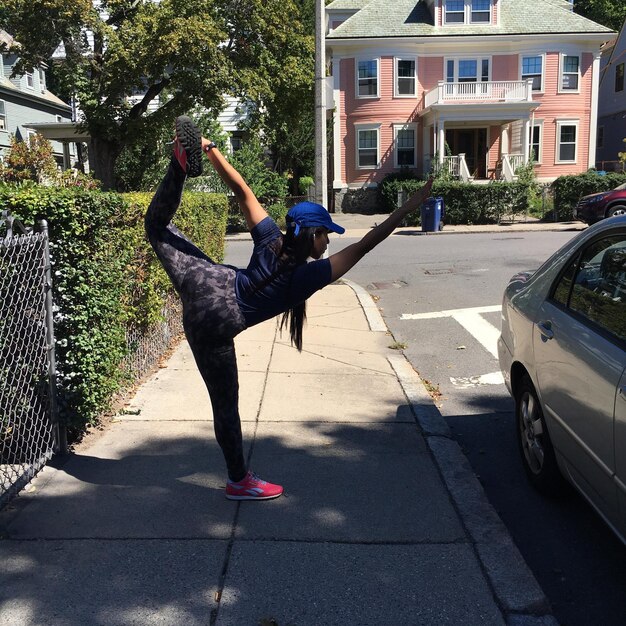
column 251, row 162
column 611, row 13
column 105, row 278
column 568, row 190
column 29, row 160
column 466, row 203
column 304, row 184
column 404, row 180
column 185, row 52
column 278, row 213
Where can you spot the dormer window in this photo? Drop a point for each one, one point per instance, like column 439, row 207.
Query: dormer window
column 455, row 12
column 30, row 81
column 42, row 80
column 481, row 11
column 467, row 12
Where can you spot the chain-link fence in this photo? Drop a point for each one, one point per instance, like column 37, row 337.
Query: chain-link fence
column 28, row 427
column 147, row 347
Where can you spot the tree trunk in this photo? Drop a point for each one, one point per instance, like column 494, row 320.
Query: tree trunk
column 104, row 155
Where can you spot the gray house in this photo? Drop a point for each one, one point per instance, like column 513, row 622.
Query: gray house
column 612, row 104
column 25, row 103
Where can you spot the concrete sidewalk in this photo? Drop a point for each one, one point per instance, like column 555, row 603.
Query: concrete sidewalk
column 382, row 522
column 357, row 225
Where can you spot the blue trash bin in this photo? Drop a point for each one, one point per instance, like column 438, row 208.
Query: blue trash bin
column 432, row 214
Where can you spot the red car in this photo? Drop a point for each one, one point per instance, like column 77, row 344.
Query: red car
column 597, row 206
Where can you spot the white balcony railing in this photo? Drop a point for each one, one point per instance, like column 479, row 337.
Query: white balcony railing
column 455, row 166
column 488, row 91
column 510, row 163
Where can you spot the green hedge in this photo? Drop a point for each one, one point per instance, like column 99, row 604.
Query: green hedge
column 465, row 203
column 568, row 190
column 105, row 277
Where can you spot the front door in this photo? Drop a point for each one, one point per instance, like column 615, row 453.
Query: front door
column 473, row 143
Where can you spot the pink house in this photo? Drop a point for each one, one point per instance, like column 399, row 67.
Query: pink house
column 475, row 86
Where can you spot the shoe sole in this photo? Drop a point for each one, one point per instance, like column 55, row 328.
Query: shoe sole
column 191, row 139
column 228, row 497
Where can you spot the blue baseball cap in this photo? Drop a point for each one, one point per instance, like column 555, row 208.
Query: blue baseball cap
column 310, row 214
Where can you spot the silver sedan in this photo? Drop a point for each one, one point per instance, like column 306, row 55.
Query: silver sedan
column 562, row 353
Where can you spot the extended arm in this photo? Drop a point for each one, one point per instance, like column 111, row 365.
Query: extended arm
column 250, row 207
column 345, row 259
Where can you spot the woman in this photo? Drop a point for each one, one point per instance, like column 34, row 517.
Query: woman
column 219, row 301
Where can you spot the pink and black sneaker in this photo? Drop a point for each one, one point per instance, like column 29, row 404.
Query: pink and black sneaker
column 188, row 146
column 251, row 487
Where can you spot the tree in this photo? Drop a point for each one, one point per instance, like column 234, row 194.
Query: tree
column 29, row 160
column 610, row 13
column 185, row 52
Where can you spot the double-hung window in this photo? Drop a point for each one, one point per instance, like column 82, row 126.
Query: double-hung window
column 405, row 78
column 455, row 12
column 42, row 80
column 566, row 141
column 481, row 11
column 367, row 146
column 532, row 68
column 3, row 115
column 367, row 78
column 535, row 141
column 30, row 81
column 619, row 77
column 404, row 136
column 570, row 72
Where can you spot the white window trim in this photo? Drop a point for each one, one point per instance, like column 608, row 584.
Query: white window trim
column 356, row 77
column 30, row 75
column 559, row 124
column 543, row 68
column 396, row 78
column 396, row 128
column 479, row 66
column 42, row 80
column 467, row 15
column 4, row 115
column 357, row 128
column 539, row 124
column 561, row 73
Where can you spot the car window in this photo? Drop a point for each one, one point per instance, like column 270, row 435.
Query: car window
column 594, row 285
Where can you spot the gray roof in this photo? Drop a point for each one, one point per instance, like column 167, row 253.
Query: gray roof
column 413, row 19
column 349, row 5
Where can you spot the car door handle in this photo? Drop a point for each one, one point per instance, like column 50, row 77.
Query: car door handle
column 545, row 328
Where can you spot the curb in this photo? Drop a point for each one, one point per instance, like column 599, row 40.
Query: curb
column 514, row 586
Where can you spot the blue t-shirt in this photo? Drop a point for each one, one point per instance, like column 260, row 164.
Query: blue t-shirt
column 285, row 290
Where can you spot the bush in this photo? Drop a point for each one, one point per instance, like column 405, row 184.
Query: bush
column 568, row 190
column 105, row 277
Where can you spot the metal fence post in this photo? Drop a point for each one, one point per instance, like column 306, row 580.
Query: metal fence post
column 59, row 430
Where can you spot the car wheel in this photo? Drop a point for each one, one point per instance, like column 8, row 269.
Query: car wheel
column 618, row 209
column 534, row 441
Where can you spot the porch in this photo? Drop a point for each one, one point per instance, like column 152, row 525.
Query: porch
column 478, row 131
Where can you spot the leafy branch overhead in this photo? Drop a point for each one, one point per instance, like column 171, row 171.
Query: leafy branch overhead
column 116, row 59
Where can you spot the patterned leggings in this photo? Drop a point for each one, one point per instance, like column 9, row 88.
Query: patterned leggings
column 211, row 316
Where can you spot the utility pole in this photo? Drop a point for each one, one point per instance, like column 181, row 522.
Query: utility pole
column 321, row 170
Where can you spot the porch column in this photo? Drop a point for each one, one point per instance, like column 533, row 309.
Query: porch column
column 504, row 140
column 593, row 116
column 526, row 140
column 442, row 142
column 425, row 150
column 67, row 162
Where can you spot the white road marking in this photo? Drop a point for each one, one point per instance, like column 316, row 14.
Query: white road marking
column 487, row 334
column 494, row 378
column 450, row 313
